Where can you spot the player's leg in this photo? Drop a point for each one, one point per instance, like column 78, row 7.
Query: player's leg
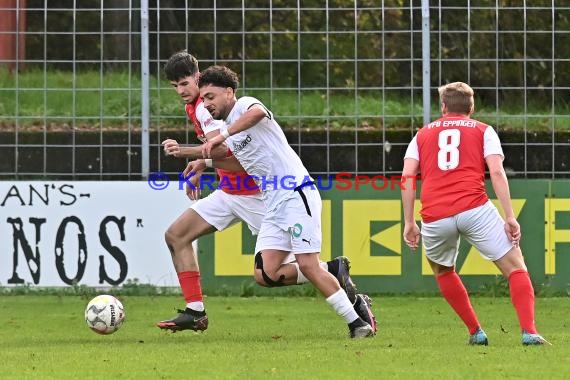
column 512, row 266
column 290, row 274
column 179, row 237
column 522, row 294
column 441, row 241
column 251, row 210
column 302, row 215
column 271, row 269
column 203, row 217
column 278, row 270
column 486, row 232
column 335, row 296
column 339, row 267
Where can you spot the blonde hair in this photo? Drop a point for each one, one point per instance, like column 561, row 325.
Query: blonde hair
column 458, row 97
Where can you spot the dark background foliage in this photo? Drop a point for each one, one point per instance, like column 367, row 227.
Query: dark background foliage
column 491, row 44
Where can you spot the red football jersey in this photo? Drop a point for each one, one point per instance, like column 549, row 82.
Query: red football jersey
column 230, row 182
column 452, row 165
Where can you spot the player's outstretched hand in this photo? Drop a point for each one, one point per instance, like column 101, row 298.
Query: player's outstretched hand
column 193, row 192
column 513, row 230
column 195, row 168
column 211, row 144
column 171, row 147
column 412, row 235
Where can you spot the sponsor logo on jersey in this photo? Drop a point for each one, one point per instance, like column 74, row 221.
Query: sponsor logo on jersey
column 238, row 146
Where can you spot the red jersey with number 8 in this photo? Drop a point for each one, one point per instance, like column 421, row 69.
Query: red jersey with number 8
column 452, row 165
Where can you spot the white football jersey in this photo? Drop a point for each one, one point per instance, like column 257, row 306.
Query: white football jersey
column 265, row 154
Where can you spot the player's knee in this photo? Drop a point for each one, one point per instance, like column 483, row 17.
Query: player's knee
column 169, row 236
column 174, row 235
column 310, row 270
column 265, row 277
column 180, row 234
column 258, row 277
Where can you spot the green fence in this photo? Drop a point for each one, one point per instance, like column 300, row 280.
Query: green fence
column 366, row 225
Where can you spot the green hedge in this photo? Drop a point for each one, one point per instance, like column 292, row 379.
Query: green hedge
column 325, row 59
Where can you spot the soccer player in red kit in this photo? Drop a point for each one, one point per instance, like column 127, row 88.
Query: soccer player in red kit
column 217, row 211
column 451, row 153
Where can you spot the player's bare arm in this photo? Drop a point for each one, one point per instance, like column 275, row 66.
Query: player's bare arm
column 250, row 118
column 411, row 229
column 220, row 152
column 173, row 148
column 501, row 188
column 227, row 163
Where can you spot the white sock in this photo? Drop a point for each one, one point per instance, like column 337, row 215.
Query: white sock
column 196, row 305
column 341, row 304
column 301, row 279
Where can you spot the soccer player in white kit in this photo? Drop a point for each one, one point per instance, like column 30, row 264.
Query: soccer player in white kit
column 451, row 154
column 292, row 221
column 237, row 201
column 217, row 211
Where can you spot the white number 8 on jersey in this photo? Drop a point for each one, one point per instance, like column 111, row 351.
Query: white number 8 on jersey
column 448, row 155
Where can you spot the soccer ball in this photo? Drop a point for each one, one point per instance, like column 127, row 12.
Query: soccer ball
column 104, row 314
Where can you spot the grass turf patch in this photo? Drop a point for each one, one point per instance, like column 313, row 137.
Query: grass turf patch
column 45, row 337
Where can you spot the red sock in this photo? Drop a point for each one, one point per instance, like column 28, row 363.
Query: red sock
column 456, row 295
column 190, row 284
column 522, row 297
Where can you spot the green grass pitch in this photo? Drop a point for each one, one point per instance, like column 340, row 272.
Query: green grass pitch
column 45, row 337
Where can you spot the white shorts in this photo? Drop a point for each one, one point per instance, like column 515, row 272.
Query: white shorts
column 294, row 226
column 482, row 226
column 221, row 210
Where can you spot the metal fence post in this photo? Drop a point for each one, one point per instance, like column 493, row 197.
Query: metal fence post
column 145, row 96
column 426, row 72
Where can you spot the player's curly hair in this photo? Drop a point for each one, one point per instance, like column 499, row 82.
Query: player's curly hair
column 219, row 76
column 180, row 65
column 458, row 97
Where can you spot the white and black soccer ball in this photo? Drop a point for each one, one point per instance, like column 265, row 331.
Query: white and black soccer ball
column 104, row 314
